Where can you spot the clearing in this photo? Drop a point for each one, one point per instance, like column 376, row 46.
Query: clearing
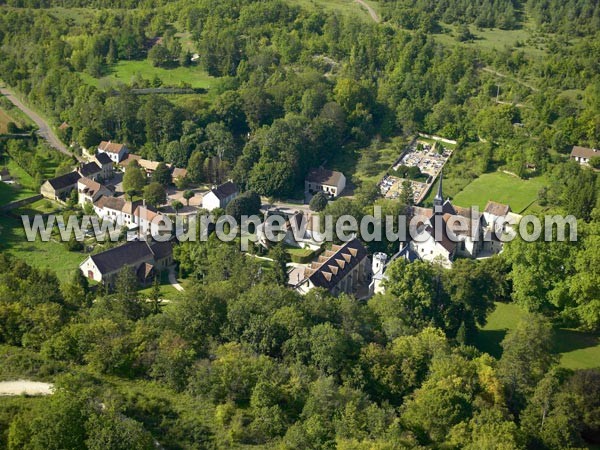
column 124, row 72
column 502, row 188
column 577, row 349
column 362, row 9
column 167, row 291
column 495, row 39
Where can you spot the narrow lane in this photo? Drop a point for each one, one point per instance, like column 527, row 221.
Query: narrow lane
column 44, row 129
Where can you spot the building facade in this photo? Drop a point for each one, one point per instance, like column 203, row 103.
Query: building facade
column 583, row 155
column 219, row 196
column 147, row 259
column 116, row 152
column 330, row 182
column 343, row 269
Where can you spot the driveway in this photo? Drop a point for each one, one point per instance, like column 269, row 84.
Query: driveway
column 173, row 280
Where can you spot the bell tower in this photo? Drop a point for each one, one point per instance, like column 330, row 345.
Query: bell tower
column 438, row 201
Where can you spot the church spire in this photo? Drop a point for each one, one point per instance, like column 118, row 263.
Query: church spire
column 439, row 197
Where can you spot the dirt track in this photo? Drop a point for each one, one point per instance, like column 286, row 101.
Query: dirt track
column 371, row 11
column 18, row 387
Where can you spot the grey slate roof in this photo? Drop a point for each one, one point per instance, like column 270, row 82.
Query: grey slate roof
column 161, row 250
column 497, row 209
column 130, row 254
column 225, row 190
column 66, row 180
column 324, row 176
column 103, row 158
column 90, row 168
column 116, row 258
column 584, row 152
column 336, row 263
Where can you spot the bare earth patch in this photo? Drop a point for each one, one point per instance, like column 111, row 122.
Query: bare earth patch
column 19, row 387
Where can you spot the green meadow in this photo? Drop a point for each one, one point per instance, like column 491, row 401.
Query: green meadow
column 502, row 188
column 42, row 255
column 124, row 72
column 576, row 349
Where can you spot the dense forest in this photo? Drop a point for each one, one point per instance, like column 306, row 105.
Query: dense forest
column 575, row 18
column 240, row 360
column 309, row 81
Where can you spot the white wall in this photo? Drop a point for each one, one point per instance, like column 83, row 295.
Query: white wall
column 210, row 201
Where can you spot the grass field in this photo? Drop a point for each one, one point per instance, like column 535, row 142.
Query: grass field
column 502, row 188
column 43, row 255
column 10, row 193
column 124, row 72
column 495, row 39
column 577, row 350
column 167, row 291
column 50, row 160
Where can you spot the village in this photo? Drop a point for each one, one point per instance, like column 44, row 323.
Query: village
column 299, row 224
column 98, row 184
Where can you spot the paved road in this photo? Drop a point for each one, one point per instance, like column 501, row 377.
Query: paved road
column 371, row 11
column 44, row 130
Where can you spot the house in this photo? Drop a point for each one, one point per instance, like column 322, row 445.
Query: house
column 146, row 258
column 433, row 244
column 128, row 159
column 330, row 182
column 117, row 209
column 90, row 190
column 149, row 166
column 60, row 187
column 5, row 175
column 149, row 221
column 106, row 164
column 116, row 152
column 90, row 170
column 343, row 269
column 219, row 196
column 583, row 154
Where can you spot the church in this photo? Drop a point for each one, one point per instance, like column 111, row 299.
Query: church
column 445, row 232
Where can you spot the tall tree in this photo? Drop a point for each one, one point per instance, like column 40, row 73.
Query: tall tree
column 526, row 357
column 155, row 194
column 134, row 179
